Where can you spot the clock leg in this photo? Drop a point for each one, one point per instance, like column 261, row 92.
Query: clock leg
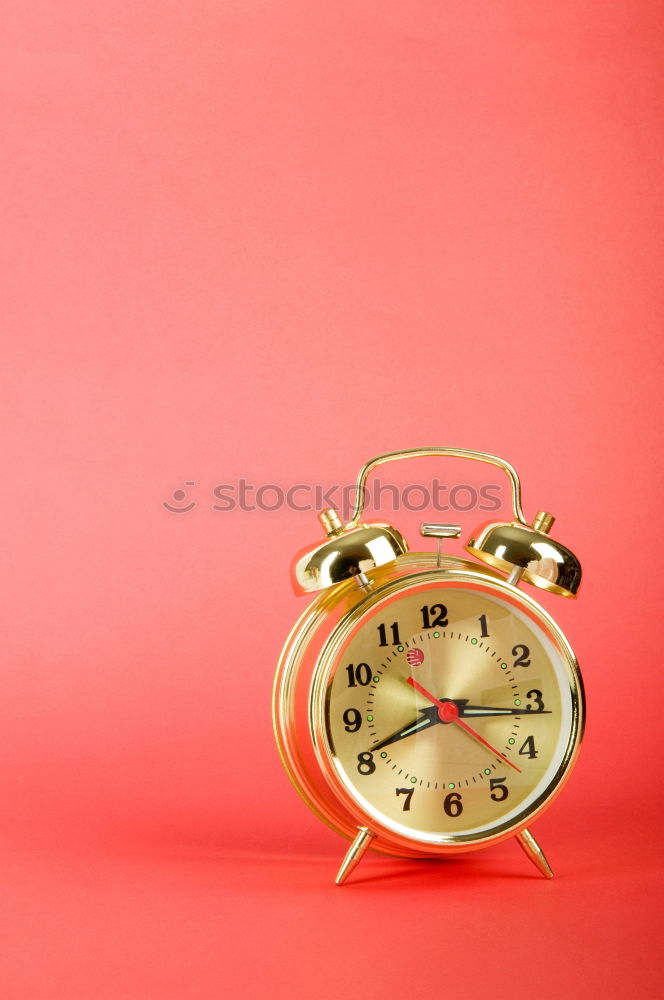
column 355, row 853
column 534, row 852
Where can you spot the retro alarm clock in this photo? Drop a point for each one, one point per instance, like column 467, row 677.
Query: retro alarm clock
column 425, row 704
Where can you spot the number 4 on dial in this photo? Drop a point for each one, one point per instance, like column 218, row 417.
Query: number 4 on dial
column 528, row 748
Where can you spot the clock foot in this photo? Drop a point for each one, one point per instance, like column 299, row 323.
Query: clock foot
column 534, row 852
column 354, row 854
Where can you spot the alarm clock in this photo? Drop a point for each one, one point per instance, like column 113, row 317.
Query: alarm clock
column 425, row 704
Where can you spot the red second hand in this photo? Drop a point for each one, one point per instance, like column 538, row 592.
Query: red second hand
column 448, row 712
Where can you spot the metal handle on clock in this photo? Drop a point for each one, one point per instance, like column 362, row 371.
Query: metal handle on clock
column 475, row 456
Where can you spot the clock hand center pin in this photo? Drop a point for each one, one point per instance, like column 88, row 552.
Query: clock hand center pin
column 446, row 714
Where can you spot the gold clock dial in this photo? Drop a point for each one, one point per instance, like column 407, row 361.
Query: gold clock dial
column 450, row 711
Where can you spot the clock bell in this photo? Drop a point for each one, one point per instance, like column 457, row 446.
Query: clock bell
column 516, row 548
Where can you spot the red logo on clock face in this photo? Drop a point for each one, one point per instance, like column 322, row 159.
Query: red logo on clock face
column 415, row 657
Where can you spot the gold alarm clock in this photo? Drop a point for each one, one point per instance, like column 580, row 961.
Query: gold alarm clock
column 425, row 704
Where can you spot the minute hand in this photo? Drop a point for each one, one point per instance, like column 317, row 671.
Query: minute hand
column 448, row 712
column 481, row 710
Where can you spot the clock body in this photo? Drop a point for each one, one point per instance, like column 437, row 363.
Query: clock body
column 434, row 704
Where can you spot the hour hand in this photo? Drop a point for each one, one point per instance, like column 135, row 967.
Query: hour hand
column 428, row 717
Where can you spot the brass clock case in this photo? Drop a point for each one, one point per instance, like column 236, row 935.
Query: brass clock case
column 302, row 685
column 358, row 571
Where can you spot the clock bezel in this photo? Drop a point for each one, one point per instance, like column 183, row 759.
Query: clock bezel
column 458, row 572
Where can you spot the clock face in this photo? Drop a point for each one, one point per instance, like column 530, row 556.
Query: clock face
column 450, row 711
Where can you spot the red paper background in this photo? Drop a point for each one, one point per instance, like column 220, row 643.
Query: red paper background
column 269, row 240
